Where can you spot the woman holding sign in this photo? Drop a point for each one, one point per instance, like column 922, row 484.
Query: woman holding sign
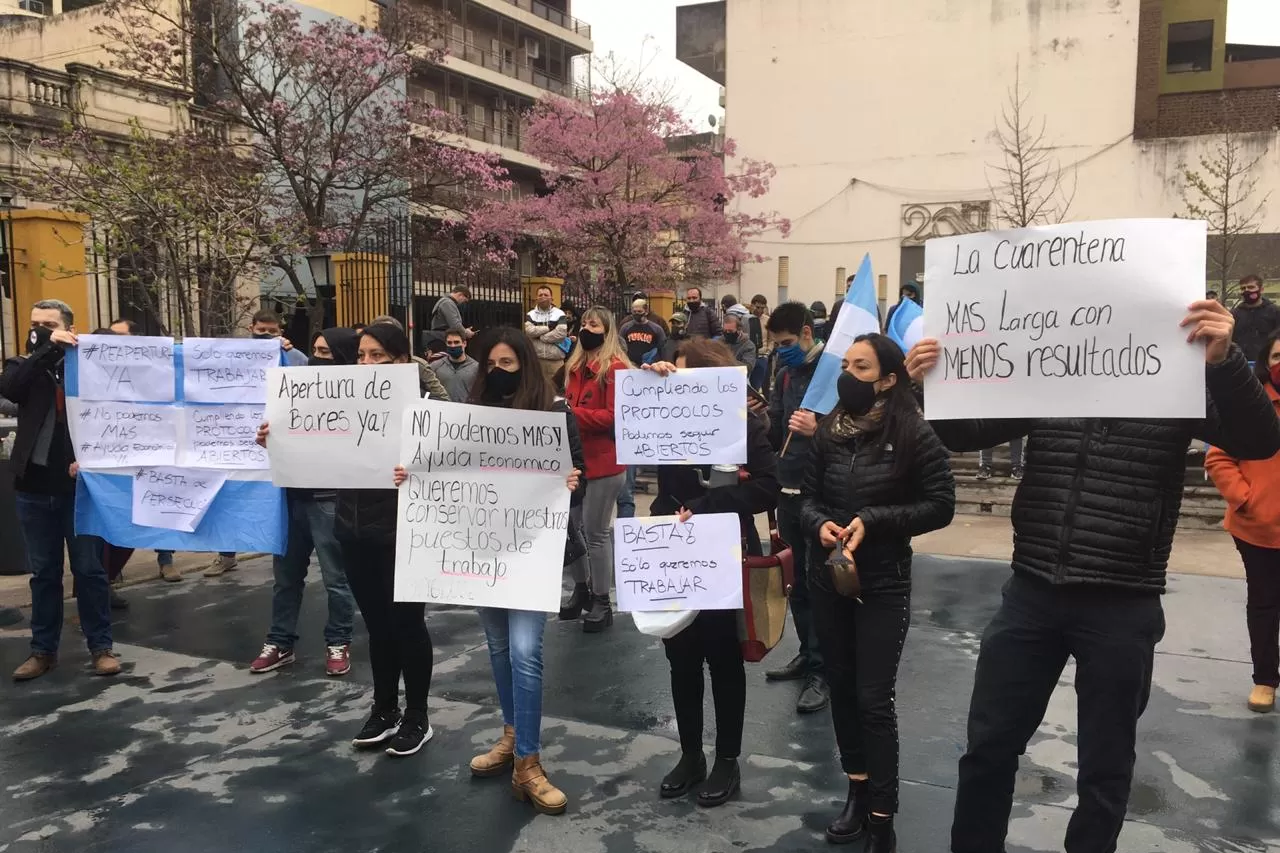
column 877, row 476
column 589, row 384
column 713, row 636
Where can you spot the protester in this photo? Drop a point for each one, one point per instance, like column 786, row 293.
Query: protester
column 114, row 558
column 1093, row 523
column 790, row 426
column 266, row 324
column 820, row 321
column 703, row 320
column 123, row 327
column 544, row 327
column 589, row 385
column 426, row 375
column 513, row 380
column 1256, row 316
column 729, row 304
column 986, row 461
column 45, row 493
column 311, row 529
column 644, row 338
column 713, row 637
column 758, row 328
column 1252, row 492
column 877, row 476
column 909, row 291
column 457, row 372
column 738, row 341
column 447, row 313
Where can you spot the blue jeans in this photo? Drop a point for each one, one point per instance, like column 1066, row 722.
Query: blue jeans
column 627, row 497
column 310, row 529
column 515, row 650
column 48, row 522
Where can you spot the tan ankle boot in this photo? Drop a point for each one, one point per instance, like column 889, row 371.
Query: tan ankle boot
column 1262, row 699
column 529, row 782
column 498, row 758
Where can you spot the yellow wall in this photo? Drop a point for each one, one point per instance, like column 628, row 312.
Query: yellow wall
column 1181, row 11
column 48, row 263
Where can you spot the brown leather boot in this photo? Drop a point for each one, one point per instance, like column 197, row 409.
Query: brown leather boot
column 529, row 782
column 106, row 663
column 1262, row 699
column 34, row 667
column 498, row 758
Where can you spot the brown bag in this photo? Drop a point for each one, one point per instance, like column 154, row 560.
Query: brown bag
column 766, row 585
column 844, row 574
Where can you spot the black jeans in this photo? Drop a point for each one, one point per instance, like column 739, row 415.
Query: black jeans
column 804, row 550
column 1112, row 635
column 399, row 644
column 1262, row 610
column 862, row 645
column 713, row 637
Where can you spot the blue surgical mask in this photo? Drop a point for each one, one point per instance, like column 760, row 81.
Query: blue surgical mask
column 455, row 352
column 790, row 356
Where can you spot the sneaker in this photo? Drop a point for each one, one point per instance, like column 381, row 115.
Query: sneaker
column 380, row 726
column 339, row 661
column 984, row 473
column 106, row 663
column 1016, row 473
column 220, row 566
column 413, row 735
column 271, row 657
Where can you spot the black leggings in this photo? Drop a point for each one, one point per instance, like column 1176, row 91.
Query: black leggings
column 399, row 643
column 1262, row 611
column 713, row 638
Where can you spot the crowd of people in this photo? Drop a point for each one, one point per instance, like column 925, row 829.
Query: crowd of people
column 1093, row 521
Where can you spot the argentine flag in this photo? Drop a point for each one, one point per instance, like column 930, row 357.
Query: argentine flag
column 859, row 315
column 906, row 327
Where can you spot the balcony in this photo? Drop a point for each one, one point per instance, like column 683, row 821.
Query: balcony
column 504, row 63
column 555, row 16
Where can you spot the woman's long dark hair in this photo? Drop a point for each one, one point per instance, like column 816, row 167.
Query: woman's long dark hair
column 394, row 341
column 1262, row 359
column 535, row 393
column 900, row 421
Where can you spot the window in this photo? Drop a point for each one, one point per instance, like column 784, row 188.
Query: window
column 1190, row 47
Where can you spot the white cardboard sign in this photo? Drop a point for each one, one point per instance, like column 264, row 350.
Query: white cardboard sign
column 337, row 426
column 692, row 417
column 666, row 564
column 119, row 367
column 1066, row 321
column 174, row 498
column 484, row 514
column 223, row 437
column 227, row 370
column 109, row 434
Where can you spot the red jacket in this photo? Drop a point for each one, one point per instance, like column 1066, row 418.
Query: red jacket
column 1252, row 492
column 593, row 408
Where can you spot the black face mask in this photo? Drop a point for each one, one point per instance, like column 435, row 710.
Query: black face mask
column 730, row 337
column 500, row 384
column 677, row 331
column 260, row 336
column 39, row 335
column 591, row 341
column 856, row 396
column 317, row 361
column 693, row 306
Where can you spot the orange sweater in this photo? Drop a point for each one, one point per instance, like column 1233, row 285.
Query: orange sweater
column 1252, row 492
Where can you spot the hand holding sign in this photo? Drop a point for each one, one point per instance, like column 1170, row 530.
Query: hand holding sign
column 1211, row 322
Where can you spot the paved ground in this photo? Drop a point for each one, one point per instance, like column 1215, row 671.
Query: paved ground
column 186, row 751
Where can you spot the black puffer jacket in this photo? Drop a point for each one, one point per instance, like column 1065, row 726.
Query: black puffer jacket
column 850, row 475
column 1099, row 498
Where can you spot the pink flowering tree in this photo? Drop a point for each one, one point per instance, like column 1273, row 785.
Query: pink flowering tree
column 320, row 105
column 632, row 201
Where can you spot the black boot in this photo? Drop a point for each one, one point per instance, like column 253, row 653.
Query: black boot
column 576, row 603
column 723, row 783
column 691, row 770
column 883, row 838
column 851, row 825
column 599, row 617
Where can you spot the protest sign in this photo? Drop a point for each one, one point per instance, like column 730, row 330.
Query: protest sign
column 227, row 370
column 666, row 564
column 174, row 498
column 223, row 437
column 692, row 417
column 1066, row 321
column 337, row 427
column 110, row 434
column 117, row 367
column 483, row 515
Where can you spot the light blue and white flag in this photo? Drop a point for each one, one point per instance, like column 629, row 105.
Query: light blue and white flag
column 859, row 315
column 906, row 326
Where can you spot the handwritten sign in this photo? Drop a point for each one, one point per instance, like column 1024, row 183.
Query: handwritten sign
column 174, row 498
column 115, row 367
column 1066, row 321
column 120, row 435
column 483, row 515
column 692, row 417
column 227, row 370
column 666, row 564
column 223, row 437
column 337, row 427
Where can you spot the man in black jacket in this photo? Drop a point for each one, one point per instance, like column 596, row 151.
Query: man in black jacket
column 1093, row 523
column 1256, row 316
column 42, row 461
column 791, row 329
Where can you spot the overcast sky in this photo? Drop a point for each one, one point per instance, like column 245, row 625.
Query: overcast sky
column 1253, row 22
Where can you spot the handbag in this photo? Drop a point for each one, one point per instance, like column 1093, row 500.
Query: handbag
column 575, row 543
column 767, row 582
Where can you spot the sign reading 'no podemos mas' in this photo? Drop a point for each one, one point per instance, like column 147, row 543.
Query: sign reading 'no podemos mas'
column 692, row 417
column 483, row 514
column 1066, row 321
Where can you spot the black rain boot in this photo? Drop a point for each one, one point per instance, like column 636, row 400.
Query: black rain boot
column 723, row 782
column 577, row 602
column 691, row 770
column 599, row 617
column 883, row 838
column 851, row 825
